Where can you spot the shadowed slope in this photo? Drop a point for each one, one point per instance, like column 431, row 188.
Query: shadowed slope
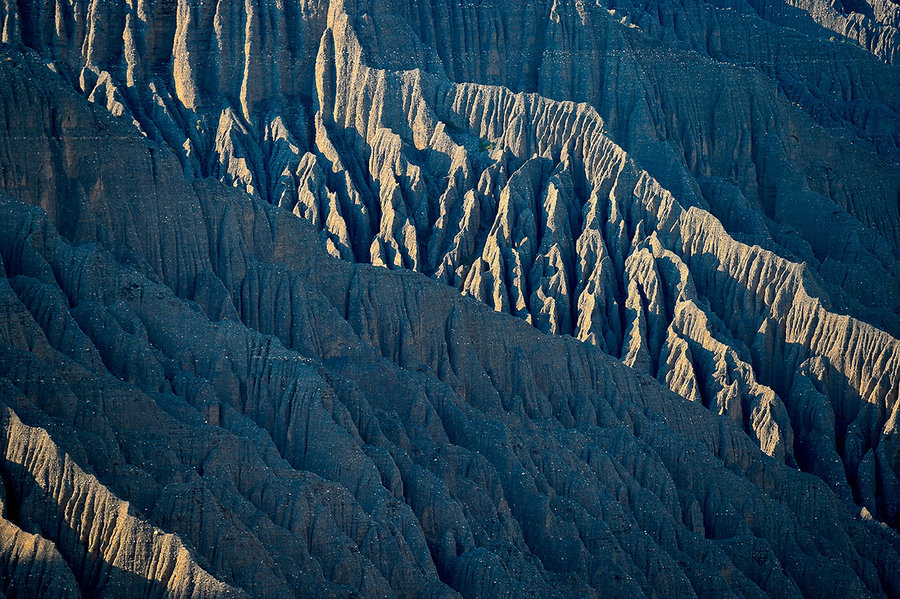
column 287, row 423
column 653, row 179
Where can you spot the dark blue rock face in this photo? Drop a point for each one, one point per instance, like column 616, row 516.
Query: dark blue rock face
column 442, row 299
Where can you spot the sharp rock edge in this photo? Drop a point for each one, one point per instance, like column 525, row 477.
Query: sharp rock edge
column 186, row 373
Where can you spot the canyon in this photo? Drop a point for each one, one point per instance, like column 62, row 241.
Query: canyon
column 434, row 299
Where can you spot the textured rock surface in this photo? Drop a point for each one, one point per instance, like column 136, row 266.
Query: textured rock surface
column 197, row 401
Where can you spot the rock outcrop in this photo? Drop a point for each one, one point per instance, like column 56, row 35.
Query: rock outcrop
column 196, row 400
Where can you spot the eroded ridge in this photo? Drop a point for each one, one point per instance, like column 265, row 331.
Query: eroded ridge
column 185, row 369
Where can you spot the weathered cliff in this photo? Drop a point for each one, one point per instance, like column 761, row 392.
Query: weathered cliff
column 188, row 377
column 197, row 401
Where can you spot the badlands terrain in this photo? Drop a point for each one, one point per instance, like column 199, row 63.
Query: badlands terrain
column 449, row 298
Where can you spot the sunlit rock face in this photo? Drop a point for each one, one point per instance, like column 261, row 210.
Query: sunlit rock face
column 679, row 221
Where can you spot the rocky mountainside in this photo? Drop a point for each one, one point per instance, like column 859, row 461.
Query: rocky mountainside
column 686, row 214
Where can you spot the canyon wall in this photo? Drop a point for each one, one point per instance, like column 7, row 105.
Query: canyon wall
column 685, row 214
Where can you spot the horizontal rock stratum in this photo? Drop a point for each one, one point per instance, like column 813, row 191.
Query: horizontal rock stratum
column 442, row 298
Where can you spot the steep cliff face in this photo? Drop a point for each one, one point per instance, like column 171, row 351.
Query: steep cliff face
column 673, row 216
column 198, row 401
column 707, row 193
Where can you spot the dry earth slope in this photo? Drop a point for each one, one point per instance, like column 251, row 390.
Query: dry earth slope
column 198, row 401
